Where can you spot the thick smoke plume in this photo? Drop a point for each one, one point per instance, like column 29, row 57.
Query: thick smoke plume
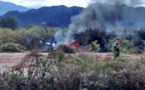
column 119, row 2
column 109, row 15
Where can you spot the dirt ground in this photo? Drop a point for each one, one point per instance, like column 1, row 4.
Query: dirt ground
column 11, row 59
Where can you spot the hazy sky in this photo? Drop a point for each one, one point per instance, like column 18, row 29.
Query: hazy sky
column 69, row 3
column 39, row 3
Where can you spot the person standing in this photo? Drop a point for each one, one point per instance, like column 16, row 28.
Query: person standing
column 116, row 48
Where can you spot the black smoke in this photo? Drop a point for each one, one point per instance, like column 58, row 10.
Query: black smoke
column 108, row 15
column 120, row 2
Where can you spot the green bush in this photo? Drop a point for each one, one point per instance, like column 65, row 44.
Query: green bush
column 9, row 22
column 7, row 35
column 126, row 44
column 58, row 54
column 65, row 49
column 84, row 63
column 119, row 63
column 135, row 50
column 27, row 37
column 129, row 47
column 11, row 47
column 95, row 46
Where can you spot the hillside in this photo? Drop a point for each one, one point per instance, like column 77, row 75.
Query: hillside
column 59, row 16
column 6, row 6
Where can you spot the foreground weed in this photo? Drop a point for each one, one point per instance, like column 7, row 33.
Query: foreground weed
column 85, row 64
column 143, row 59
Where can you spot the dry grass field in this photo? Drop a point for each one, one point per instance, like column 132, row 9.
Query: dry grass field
column 77, row 71
column 11, row 59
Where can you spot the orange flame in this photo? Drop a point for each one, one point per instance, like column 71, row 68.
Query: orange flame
column 74, row 45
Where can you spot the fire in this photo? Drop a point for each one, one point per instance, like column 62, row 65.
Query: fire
column 74, row 44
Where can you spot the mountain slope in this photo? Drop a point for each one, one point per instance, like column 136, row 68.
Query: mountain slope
column 6, row 6
column 59, row 16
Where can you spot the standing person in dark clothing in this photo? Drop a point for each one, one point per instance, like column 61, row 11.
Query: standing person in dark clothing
column 116, row 48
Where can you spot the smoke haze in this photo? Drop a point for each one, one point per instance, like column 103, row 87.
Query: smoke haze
column 119, row 2
column 109, row 15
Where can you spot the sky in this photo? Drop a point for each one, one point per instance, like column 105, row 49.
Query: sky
column 40, row 3
column 68, row 3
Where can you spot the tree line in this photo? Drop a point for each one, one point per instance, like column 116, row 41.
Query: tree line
column 9, row 22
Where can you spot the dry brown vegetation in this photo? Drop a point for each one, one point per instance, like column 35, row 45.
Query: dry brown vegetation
column 77, row 71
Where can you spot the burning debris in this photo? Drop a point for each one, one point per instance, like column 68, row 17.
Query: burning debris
column 99, row 18
column 110, row 16
column 55, row 41
column 49, row 44
column 74, row 44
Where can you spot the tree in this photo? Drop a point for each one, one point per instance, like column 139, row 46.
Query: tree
column 9, row 22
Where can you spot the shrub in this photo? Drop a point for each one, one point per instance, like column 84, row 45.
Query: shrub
column 95, row 46
column 9, row 22
column 11, row 47
column 28, row 37
column 135, row 50
column 141, row 34
column 90, row 35
column 58, row 56
column 129, row 47
column 110, row 44
column 84, row 63
column 65, row 49
column 76, row 74
column 6, row 35
column 126, row 44
column 31, row 36
column 119, row 63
